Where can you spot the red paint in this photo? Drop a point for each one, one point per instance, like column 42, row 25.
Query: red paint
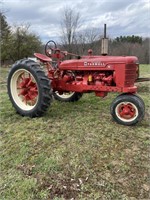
column 42, row 57
column 100, row 74
column 27, row 89
column 126, row 111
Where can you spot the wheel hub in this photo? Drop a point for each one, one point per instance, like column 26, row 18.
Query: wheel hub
column 27, row 89
column 126, row 111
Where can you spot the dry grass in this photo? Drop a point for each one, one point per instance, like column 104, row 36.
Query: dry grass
column 75, row 151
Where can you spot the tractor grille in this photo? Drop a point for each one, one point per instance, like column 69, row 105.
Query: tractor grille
column 130, row 74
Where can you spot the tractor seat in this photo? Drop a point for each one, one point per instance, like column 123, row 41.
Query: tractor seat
column 42, row 57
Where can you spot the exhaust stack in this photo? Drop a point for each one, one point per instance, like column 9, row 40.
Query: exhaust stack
column 104, row 43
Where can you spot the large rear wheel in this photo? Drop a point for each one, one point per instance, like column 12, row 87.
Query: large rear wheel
column 29, row 88
column 127, row 109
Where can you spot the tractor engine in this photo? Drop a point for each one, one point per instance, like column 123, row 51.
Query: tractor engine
column 100, row 74
column 94, row 78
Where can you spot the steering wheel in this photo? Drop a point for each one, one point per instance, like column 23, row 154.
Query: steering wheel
column 50, row 48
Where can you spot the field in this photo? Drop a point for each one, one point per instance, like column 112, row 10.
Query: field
column 75, row 151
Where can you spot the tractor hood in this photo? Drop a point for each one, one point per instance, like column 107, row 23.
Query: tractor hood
column 96, row 62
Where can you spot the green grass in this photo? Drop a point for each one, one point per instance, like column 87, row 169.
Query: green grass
column 75, row 151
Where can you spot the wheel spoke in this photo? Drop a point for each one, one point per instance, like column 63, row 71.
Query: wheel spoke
column 27, row 88
column 19, row 88
column 24, row 100
column 22, row 76
column 33, row 102
column 29, row 83
column 22, row 93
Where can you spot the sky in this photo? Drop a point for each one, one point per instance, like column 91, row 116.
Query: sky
column 123, row 17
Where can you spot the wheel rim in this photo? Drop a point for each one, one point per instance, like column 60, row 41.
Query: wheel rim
column 24, row 89
column 65, row 95
column 126, row 111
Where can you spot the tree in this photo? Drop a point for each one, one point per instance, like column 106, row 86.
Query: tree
column 17, row 42
column 69, row 26
column 145, row 51
column 5, row 28
column 88, row 39
column 130, row 39
column 5, row 35
column 24, row 41
column 73, row 39
column 137, row 46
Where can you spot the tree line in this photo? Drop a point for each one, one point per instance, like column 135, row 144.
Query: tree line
column 19, row 42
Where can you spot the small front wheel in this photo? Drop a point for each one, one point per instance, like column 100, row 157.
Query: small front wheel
column 127, row 109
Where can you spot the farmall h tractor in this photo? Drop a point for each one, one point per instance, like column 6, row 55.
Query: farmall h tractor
column 31, row 88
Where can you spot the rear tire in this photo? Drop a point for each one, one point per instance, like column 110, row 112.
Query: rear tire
column 29, row 88
column 68, row 96
column 127, row 109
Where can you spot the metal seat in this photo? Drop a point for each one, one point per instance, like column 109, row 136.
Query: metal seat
column 42, row 57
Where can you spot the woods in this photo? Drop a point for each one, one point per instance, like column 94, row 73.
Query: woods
column 19, row 42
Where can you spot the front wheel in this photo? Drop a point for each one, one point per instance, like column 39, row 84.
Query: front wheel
column 29, row 88
column 67, row 96
column 127, row 109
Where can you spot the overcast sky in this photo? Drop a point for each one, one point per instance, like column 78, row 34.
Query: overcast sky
column 123, row 17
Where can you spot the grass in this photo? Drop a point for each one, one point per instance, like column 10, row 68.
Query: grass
column 75, row 151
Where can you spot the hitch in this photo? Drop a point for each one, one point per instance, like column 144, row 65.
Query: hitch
column 142, row 79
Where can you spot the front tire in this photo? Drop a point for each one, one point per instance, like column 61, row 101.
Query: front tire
column 127, row 109
column 29, row 88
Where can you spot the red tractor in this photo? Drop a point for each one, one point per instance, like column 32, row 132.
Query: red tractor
column 31, row 88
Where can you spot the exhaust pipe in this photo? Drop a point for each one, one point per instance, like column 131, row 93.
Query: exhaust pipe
column 104, row 43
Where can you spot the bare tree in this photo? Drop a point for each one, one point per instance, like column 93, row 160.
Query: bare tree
column 88, row 39
column 141, row 50
column 69, row 26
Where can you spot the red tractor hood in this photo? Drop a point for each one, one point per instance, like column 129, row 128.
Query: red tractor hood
column 96, row 62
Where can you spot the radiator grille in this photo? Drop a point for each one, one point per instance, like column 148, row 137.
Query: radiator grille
column 130, row 75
